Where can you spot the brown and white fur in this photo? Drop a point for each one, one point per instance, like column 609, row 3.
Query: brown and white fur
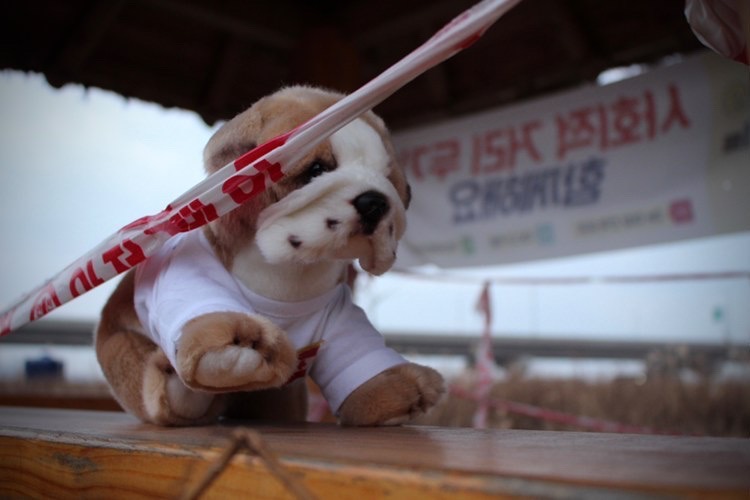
column 344, row 201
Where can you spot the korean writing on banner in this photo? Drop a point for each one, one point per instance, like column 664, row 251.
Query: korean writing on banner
column 550, row 169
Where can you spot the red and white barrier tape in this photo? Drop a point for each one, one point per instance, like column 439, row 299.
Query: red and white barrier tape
column 484, row 371
column 485, row 361
column 558, row 417
column 245, row 177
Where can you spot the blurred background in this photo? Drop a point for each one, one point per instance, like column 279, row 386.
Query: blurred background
column 106, row 107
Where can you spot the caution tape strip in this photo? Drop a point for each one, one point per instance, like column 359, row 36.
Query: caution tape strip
column 558, row 417
column 247, row 176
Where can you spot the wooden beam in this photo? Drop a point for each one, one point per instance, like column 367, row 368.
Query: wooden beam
column 46, row 331
column 511, row 347
column 219, row 78
column 507, row 345
column 326, row 58
column 65, row 453
column 240, row 28
column 57, row 393
column 437, row 81
column 420, row 20
column 85, row 36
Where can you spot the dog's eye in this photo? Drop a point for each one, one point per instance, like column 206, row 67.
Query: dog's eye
column 315, row 169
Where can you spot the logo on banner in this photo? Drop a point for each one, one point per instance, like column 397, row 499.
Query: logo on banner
column 681, row 212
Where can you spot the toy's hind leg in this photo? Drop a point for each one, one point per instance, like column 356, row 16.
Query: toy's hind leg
column 168, row 401
column 138, row 372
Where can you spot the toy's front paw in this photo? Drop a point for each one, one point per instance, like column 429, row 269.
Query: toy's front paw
column 231, row 351
column 395, row 396
column 167, row 401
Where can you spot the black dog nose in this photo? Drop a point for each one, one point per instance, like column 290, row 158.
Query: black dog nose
column 371, row 207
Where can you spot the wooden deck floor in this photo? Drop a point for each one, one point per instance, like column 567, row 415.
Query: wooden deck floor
column 86, row 454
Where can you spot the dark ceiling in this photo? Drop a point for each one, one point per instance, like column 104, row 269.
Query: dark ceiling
column 217, row 57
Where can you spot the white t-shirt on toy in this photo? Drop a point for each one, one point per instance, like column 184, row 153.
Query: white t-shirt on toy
column 185, row 279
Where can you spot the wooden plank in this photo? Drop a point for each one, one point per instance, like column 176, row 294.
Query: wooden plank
column 57, row 393
column 82, row 454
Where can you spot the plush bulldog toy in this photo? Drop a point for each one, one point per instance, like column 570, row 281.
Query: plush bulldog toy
column 221, row 321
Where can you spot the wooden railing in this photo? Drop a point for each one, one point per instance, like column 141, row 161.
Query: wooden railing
column 80, row 454
column 506, row 347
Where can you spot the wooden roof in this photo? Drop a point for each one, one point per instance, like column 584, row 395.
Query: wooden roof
column 217, row 57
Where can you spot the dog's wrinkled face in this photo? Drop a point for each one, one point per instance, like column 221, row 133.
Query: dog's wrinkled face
column 347, row 209
column 344, row 200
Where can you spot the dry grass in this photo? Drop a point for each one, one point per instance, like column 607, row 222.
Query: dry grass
column 662, row 403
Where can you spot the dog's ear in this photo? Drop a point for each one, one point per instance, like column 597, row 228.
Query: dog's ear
column 227, row 153
column 233, row 139
column 269, row 117
column 398, row 179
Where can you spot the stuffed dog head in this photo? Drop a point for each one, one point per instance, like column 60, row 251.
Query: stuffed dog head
column 345, row 200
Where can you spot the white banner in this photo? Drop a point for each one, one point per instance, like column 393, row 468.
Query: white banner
column 661, row 157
